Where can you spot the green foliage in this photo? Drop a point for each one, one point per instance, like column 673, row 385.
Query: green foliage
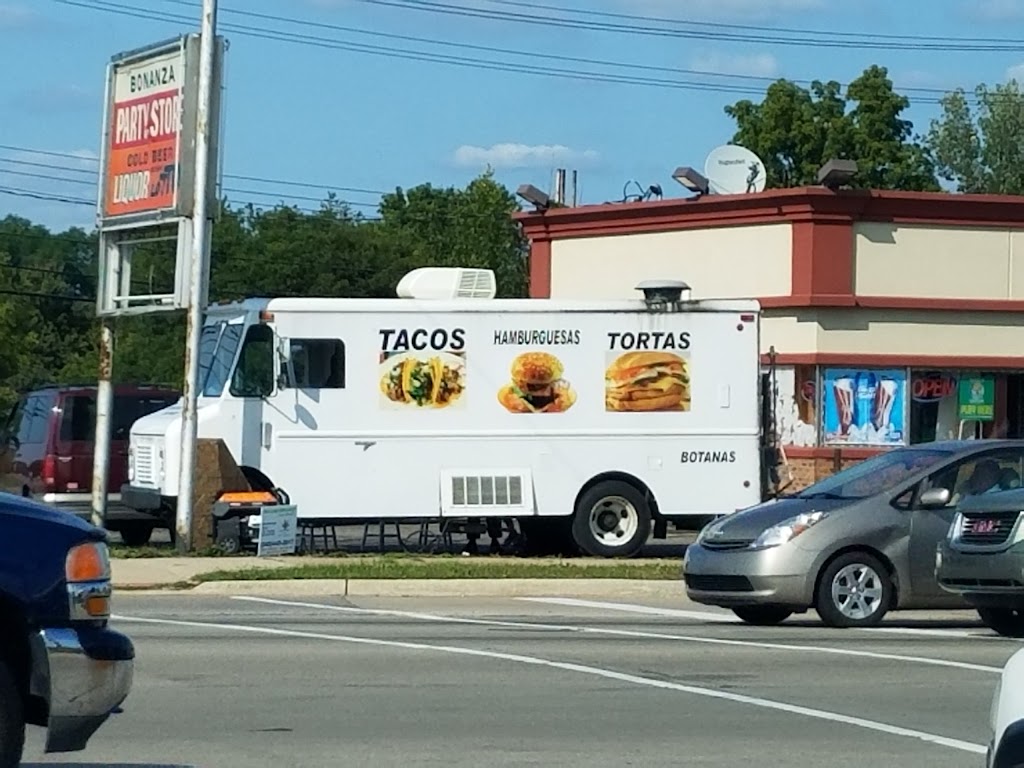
column 796, row 130
column 279, row 252
column 982, row 150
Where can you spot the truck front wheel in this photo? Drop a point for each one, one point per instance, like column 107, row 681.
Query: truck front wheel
column 612, row 519
column 12, row 720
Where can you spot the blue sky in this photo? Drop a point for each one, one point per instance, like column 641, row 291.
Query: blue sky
column 314, row 114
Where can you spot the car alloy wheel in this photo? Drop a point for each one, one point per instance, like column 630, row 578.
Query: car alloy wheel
column 855, row 590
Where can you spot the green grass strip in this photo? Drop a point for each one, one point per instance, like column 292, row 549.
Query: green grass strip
column 452, row 568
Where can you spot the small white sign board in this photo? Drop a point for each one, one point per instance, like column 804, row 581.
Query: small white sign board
column 278, row 531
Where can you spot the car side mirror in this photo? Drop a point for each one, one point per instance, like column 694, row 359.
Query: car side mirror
column 934, row 498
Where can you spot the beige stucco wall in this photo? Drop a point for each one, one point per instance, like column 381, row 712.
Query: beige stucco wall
column 733, row 262
column 938, row 262
column 889, row 332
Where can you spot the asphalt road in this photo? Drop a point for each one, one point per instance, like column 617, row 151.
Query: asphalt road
column 225, row 682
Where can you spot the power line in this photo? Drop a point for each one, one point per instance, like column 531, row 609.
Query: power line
column 257, row 192
column 258, row 179
column 754, row 27
column 809, row 40
column 438, row 58
column 511, row 51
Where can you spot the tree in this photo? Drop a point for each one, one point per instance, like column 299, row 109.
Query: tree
column 982, row 150
column 471, row 227
column 48, row 279
column 796, row 130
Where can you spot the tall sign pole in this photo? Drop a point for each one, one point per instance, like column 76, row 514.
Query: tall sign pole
column 199, row 271
column 158, row 162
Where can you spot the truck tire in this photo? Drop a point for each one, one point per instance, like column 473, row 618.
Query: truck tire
column 1008, row 622
column 12, row 720
column 612, row 519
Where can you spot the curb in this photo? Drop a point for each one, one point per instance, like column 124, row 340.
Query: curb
column 649, row 588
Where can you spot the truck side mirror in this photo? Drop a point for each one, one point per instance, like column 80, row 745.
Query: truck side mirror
column 934, row 498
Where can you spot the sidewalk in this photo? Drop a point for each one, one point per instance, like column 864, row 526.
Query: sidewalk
column 158, row 574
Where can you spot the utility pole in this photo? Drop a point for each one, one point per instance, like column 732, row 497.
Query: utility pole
column 104, row 408
column 199, row 274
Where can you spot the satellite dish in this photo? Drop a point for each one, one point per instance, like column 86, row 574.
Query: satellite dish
column 734, row 170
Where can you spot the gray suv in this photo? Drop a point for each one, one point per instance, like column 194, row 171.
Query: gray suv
column 982, row 558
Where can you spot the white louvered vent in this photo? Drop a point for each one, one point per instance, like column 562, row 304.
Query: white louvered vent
column 478, row 491
column 440, row 283
column 476, row 284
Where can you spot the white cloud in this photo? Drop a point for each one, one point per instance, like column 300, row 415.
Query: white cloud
column 995, row 10
column 1016, row 72
column 755, row 65
column 511, row 155
column 739, row 10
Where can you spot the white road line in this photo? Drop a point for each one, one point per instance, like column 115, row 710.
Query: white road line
column 778, row 706
column 572, row 602
column 623, row 633
column 730, row 619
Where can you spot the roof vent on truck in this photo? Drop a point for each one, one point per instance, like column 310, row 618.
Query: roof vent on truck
column 448, row 283
column 660, row 295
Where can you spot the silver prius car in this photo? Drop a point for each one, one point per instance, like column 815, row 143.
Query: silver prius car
column 852, row 546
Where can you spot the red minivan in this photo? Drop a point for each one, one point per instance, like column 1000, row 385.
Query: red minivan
column 46, row 450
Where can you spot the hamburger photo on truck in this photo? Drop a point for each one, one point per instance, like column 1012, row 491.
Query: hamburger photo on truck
column 592, row 425
column 647, row 381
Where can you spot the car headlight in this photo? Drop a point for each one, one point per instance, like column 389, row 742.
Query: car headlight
column 787, row 530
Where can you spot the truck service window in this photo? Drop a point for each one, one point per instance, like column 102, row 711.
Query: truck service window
column 254, row 374
column 318, row 363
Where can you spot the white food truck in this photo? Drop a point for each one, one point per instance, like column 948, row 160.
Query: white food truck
column 604, row 421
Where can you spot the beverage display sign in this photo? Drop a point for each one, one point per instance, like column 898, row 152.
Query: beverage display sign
column 977, row 398
column 864, row 407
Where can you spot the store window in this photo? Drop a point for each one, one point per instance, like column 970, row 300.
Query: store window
column 934, row 406
column 862, row 406
column 796, row 403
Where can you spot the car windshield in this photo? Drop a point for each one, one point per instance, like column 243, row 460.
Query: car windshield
column 875, row 475
column 218, row 345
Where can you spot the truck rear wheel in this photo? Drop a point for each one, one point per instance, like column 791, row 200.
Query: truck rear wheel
column 612, row 519
column 12, row 720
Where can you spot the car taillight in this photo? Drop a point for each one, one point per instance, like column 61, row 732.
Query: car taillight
column 50, row 470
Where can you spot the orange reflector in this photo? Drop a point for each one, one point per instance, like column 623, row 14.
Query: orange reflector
column 247, row 497
column 87, row 562
column 97, row 606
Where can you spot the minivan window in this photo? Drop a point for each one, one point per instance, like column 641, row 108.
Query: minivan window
column 876, row 475
column 78, row 422
column 36, row 421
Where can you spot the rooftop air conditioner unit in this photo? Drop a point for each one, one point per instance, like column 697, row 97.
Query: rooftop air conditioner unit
column 448, row 283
